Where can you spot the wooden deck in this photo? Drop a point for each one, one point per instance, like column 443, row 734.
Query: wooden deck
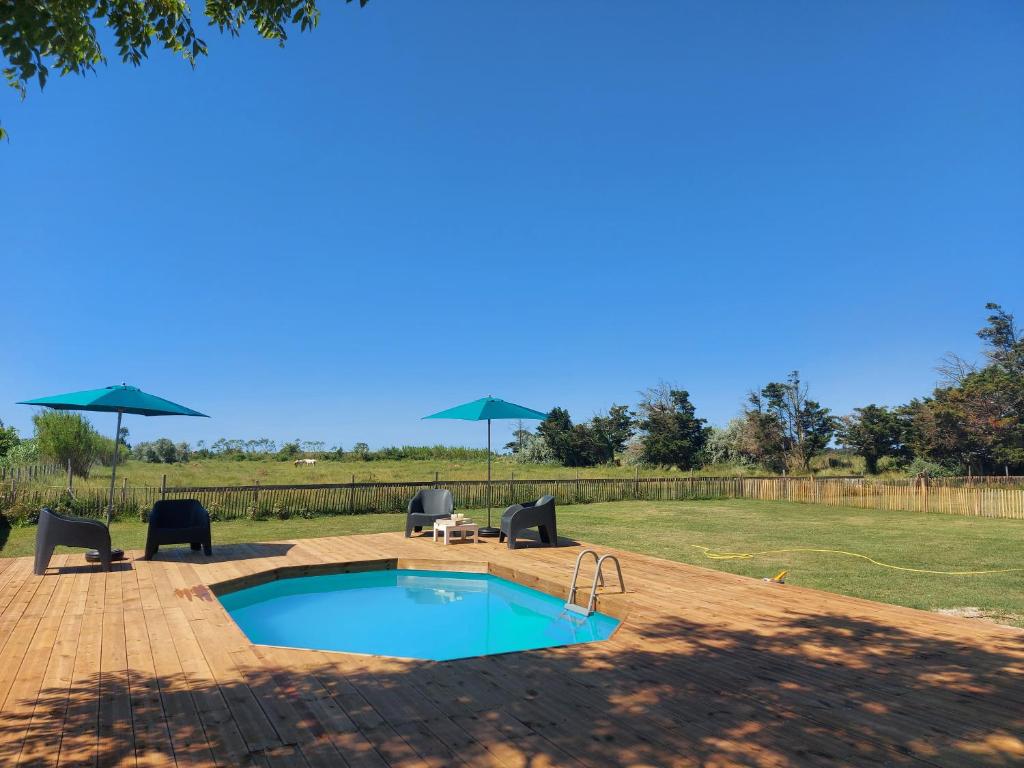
column 143, row 667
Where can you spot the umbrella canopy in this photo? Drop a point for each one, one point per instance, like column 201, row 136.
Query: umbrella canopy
column 116, row 399
column 487, row 409
column 119, row 399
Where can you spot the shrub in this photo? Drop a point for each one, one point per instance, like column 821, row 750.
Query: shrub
column 534, row 450
column 921, row 466
column 20, row 514
column 8, row 439
column 25, row 452
column 162, row 451
column 65, row 437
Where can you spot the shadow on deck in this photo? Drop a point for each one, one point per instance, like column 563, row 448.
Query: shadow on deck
column 825, row 689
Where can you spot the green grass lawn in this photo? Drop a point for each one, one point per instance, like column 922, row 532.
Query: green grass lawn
column 269, row 471
column 668, row 529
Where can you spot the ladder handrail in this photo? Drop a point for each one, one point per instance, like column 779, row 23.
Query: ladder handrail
column 593, row 587
column 598, row 579
column 576, row 573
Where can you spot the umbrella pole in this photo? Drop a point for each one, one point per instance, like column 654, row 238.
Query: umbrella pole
column 488, row 531
column 113, row 468
column 488, row 473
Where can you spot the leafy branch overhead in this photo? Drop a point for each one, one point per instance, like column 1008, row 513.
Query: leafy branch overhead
column 37, row 36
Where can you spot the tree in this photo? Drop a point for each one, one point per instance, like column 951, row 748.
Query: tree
column 558, row 432
column 8, row 439
column 974, row 421
column 672, row 435
column 873, row 431
column 38, row 36
column 572, row 445
column 65, row 437
column 520, row 436
column 289, row 451
column 786, row 426
column 612, row 431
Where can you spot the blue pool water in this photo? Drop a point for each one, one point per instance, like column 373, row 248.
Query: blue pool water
column 438, row 615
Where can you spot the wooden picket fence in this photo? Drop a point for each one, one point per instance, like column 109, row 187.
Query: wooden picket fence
column 28, row 473
column 986, row 497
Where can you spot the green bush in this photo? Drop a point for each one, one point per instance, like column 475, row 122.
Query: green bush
column 20, row 514
column 25, row 452
column 65, row 438
column 924, row 467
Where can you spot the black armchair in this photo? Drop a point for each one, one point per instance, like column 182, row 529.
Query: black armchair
column 425, row 507
column 57, row 529
column 539, row 514
column 178, row 521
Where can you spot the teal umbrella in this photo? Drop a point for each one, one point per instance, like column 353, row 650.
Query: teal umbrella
column 487, row 409
column 117, row 399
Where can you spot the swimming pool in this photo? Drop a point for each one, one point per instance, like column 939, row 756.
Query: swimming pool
column 436, row 615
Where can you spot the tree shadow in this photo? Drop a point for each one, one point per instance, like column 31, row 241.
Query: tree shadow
column 802, row 690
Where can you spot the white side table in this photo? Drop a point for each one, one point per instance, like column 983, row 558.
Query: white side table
column 467, row 531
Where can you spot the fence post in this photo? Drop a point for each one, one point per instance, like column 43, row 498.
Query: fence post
column 256, row 495
column 124, row 490
column 636, row 483
column 436, row 476
column 163, row 487
column 71, row 488
column 352, row 496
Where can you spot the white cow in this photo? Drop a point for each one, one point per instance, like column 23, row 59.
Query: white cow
column 305, row 462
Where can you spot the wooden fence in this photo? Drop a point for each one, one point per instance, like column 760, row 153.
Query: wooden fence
column 28, row 473
column 987, row 497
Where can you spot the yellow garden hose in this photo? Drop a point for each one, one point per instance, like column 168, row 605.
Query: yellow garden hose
column 711, row 555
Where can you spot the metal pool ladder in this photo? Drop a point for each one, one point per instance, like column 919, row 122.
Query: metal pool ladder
column 570, row 604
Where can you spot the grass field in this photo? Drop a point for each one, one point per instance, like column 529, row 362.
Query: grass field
column 269, row 471
column 671, row 529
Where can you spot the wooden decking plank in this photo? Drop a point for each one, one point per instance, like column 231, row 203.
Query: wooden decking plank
column 116, row 735
column 39, row 748
column 152, row 738
column 78, row 737
column 708, row 668
column 27, row 691
column 257, row 731
column 294, row 669
column 292, row 717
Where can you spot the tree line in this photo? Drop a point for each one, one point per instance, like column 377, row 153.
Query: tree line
column 972, row 422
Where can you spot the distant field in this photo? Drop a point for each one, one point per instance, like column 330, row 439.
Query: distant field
column 269, row 471
column 671, row 529
column 227, row 472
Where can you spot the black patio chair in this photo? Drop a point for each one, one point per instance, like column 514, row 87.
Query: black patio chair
column 55, row 529
column 425, row 507
column 539, row 514
column 178, row 521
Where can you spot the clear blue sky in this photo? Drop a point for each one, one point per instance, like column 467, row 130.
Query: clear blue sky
column 558, row 203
